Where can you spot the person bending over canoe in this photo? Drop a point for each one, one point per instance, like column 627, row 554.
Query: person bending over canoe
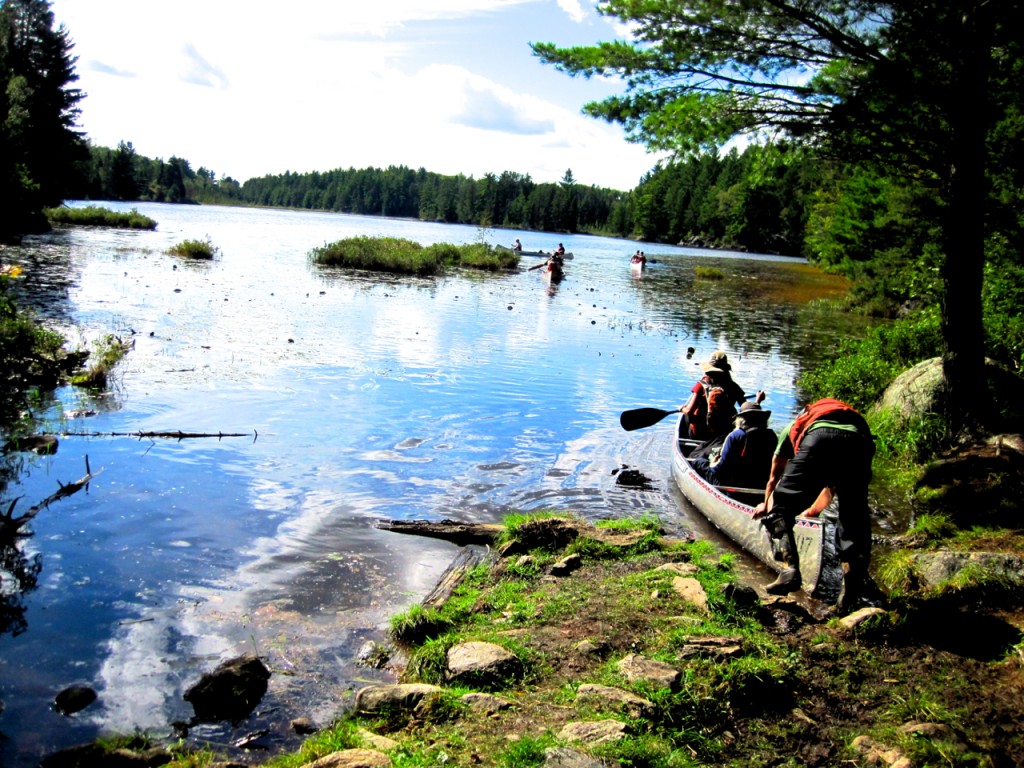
column 747, row 452
column 825, row 451
column 517, row 246
column 712, row 405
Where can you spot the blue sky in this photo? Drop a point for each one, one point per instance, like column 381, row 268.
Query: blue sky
column 253, row 88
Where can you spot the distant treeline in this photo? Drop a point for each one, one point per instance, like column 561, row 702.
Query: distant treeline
column 752, row 200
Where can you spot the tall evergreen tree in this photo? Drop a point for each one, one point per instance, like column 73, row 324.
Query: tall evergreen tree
column 38, row 110
column 918, row 88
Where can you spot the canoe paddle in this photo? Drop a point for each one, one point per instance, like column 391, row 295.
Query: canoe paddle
column 542, row 264
column 639, row 418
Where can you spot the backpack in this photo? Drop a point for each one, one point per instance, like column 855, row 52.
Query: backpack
column 818, row 409
column 719, row 409
column 756, row 457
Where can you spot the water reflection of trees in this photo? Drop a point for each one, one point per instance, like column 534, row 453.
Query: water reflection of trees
column 755, row 308
column 19, row 575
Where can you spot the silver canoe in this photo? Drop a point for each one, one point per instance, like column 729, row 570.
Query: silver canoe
column 729, row 511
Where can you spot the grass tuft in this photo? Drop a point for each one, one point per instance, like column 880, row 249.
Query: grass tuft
column 194, row 249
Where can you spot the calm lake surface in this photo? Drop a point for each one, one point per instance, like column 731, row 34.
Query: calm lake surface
column 361, row 397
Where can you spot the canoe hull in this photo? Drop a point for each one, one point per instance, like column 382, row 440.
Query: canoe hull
column 544, row 254
column 820, row 568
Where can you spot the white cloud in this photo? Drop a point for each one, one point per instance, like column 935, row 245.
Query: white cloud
column 247, row 91
column 573, row 9
column 199, row 71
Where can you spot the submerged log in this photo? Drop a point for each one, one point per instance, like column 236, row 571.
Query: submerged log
column 449, row 530
column 550, row 532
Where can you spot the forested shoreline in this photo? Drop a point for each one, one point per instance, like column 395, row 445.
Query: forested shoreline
column 752, row 200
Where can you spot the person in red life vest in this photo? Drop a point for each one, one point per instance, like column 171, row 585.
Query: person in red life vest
column 825, row 451
column 713, row 399
column 746, row 456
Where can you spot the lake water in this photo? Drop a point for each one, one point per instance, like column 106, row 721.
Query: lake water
column 361, row 397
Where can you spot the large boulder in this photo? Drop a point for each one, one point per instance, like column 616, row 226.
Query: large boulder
column 921, row 390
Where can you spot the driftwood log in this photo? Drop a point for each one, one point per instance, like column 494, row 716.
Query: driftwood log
column 171, row 434
column 11, row 526
column 462, row 534
column 553, row 533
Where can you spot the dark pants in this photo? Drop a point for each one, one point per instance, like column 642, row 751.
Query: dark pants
column 839, row 459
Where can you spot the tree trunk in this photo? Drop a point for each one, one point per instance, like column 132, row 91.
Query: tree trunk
column 964, row 230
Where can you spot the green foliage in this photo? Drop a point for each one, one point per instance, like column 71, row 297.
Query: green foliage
column 860, row 370
column 417, row 624
column 31, row 356
column 645, row 522
column 107, row 352
column 194, row 249
column 38, row 110
column 402, row 256
column 526, row 751
column 97, row 216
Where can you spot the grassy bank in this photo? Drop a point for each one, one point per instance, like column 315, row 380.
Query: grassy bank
column 401, row 256
column 760, row 681
column 97, row 216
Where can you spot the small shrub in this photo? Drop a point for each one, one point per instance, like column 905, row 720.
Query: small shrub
column 107, row 353
column 194, row 249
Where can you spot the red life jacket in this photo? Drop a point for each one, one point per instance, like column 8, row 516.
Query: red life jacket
column 812, row 413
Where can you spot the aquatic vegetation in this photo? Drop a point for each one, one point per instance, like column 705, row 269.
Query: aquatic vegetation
column 97, row 216
column 402, row 256
column 708, row 273
column 194, row 249
column 107, row 352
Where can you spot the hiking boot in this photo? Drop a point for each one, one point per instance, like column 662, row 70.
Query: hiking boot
column 862, row 593
column 787, row 581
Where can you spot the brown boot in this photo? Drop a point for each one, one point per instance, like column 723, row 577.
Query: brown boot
column 788, row 581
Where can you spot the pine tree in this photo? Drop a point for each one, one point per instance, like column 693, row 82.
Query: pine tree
column 38, row 111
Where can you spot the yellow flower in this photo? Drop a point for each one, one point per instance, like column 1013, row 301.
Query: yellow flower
column 10, row 270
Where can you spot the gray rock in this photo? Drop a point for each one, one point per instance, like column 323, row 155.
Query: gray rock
column 593, row 732
column 407, row 696
column 934, row 569
column 352, row 758
column 477, row 663
column 566, row 565
column 376, row 741
column 564, row 757
column 231, row 691
column 635, row 667
column 73, row 699
column 485, row 702
column 604, row 697
column 692, row 591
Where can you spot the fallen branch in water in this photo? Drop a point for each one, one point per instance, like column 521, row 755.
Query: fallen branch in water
column 174, row 434
column 10, row 526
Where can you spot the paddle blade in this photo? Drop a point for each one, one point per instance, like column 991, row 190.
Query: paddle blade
column 642, row 417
